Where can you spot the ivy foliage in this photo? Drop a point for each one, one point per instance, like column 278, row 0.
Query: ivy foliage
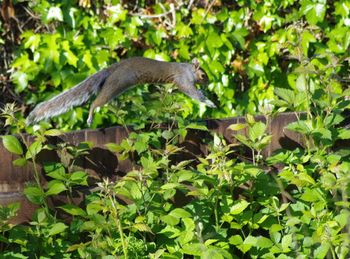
column 261, row 57
column 247, row 48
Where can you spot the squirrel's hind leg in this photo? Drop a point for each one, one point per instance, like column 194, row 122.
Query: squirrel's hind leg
column 91, row 114
column 102, row 98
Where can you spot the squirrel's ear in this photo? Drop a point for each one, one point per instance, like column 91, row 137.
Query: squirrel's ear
column 195, row 63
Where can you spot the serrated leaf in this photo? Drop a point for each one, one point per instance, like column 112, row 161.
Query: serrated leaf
column 344, row 134
column 300, row 126
column 142, row 227
column 256, row 131
column 286, row 94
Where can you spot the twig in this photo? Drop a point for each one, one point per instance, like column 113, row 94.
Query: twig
column 190, row 4
column 151, row 16
column 208, row 9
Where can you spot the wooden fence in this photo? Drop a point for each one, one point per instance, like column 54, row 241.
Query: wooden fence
column 101, row 163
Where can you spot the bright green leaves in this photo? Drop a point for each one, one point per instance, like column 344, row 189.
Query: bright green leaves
column 213, row 40
column 239, row 207
column 57, row 228
column 73, row 210
column 256, row 137
column 113, row 37
column 314, row 10
column 71, row 58
column 31, row 40
column 54, row 13
column 116, row 13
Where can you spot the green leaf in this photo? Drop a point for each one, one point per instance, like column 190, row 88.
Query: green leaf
column 304, row 127
column 256, row 131
column 239, row 207
column 301, row 83
column 286, row 94
column 79, row 177
column 12, row 144
column 214, row 40
column 313, row 11
column 73, row 210
column 34, row 194
column 235, row 240
column 344, row 134
column 263, row 242
column 55, row 170
column 34, row 149
column 54, row 13
column 180, row 213
column 237, row 127
column 53, row 132
column 21, row 80
column 170, row 220
column 194, row 249
column 243, row 140
column 20, row 162
column 310, row 195
column 321, row 251
column 55, row 187
column 167, row 134
column 142, row 227
column 115, row 148
column 196, row 127
column 287, row 242
column 57, row 228
column 215, row 253
column 169, row 186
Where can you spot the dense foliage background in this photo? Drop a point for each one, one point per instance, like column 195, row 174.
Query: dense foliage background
column 260, row 56
column 247, row 48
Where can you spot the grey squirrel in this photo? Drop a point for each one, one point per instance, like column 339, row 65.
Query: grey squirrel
column 119, row 77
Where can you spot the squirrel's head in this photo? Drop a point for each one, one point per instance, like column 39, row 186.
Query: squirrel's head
column 201, row 76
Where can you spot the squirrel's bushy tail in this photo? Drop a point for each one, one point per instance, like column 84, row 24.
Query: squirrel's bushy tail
column 77, row 95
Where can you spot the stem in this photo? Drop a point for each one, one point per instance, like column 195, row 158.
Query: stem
column 36, row 173
column 253, row 154
column 119, row 225
column 216, row 212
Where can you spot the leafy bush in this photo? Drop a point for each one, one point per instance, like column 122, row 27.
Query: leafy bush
column 293, row 204
column 247, row 49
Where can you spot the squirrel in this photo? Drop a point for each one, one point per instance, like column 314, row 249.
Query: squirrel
column 119, row 77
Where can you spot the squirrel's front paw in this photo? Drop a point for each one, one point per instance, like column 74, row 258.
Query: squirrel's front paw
column 89, row 121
